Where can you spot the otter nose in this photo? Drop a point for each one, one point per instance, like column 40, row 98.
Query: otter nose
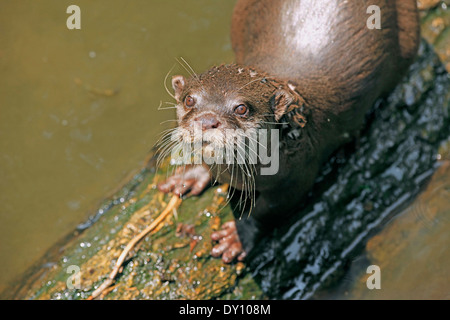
column 208, row 121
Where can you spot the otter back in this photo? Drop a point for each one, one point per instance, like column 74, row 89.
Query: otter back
column 327, row 50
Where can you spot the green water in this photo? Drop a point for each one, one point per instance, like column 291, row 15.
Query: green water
column 78, row 108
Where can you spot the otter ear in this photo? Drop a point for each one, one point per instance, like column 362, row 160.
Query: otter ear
column 178, row 83
column 281, row 101
column 288, row 106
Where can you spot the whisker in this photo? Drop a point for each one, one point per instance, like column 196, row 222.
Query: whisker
column 167, row 121
column 166, row 133
column 165, row 108
column 248, row 180
column 256, row 141
column 189, row 66
column 165, row 83
column 184, row 67
column 267, row 122
column 250, row 82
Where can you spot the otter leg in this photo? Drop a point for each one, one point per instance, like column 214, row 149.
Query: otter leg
column 229, row 246
column 189, row 178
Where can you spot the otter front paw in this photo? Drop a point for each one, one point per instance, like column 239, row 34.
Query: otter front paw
column 229, row 247
column 189, row 178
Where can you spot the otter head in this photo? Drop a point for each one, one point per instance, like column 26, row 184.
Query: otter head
column 228, row 104
column 231, row 97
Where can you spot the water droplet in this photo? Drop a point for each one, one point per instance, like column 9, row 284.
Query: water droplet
column 57, row 296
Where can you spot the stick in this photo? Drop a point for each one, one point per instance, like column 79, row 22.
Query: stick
column 173, row 203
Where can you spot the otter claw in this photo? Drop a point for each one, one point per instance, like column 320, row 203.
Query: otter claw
column 193, row 179
column 229, row 246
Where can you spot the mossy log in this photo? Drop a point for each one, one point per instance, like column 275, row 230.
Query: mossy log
column 353, row 196
column 171, row 262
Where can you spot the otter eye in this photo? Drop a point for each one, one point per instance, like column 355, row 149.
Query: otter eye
column 241, row 110
column 189, row 101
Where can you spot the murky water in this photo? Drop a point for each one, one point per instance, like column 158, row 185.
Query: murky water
column 411, row 252
column 78, row 108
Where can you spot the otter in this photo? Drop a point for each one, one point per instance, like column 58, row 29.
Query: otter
column 311, row 69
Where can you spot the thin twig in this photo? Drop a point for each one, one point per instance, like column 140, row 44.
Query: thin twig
column 173, row 204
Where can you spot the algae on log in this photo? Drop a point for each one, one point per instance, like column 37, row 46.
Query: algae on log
column 435, row 22
column 172, row 262
column 353, row 196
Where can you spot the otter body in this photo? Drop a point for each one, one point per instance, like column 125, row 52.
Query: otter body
column 311, row 69
column 324, row 47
